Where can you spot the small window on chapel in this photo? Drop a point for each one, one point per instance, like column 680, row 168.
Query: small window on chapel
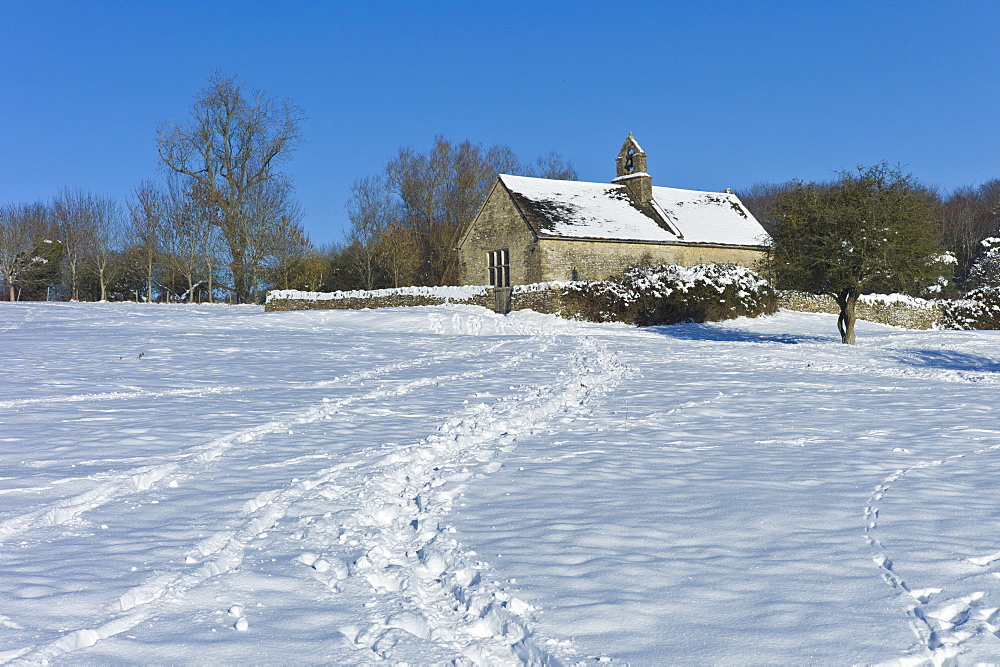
column 499, row 267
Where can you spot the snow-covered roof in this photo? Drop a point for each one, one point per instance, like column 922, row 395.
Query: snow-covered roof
column 575, row 209
column 710, row 217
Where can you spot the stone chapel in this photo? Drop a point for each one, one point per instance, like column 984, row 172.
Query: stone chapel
column 532, row 230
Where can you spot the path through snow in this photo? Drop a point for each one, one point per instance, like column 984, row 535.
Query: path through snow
column 389, row 529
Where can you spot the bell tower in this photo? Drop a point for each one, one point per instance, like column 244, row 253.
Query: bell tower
column 630, row 167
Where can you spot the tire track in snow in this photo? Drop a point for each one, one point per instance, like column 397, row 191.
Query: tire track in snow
column 224, row 551
column 411, row 555
column 942, row 626
column 143, row 478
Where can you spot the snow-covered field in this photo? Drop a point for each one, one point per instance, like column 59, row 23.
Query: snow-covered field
column 215, row 484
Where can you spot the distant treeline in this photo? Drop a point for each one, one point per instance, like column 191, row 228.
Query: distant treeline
column 174, row 241
column 168, row 241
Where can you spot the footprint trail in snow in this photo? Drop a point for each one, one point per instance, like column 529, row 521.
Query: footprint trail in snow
column 389, row 514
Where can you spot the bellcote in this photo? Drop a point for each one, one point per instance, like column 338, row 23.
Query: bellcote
column 630, row 167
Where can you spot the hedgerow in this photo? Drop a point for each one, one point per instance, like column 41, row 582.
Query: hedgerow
column 977, row 309
column 668, row 294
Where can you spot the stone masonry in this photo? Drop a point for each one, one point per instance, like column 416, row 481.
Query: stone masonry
column 499, row 225
column 546, row 298
column 599, row 260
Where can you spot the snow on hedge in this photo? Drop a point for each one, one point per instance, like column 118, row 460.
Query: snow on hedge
column 978, row 309
column 667, row 294
column 664, row 280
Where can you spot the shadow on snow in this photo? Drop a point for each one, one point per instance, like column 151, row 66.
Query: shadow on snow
column 950, row 360
column 713, row 332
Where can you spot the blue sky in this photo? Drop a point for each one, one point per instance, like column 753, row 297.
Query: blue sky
column 719, row 94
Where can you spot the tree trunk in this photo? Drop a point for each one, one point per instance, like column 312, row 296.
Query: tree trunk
column 847, row 298
column 149, row 283
column 240, row 279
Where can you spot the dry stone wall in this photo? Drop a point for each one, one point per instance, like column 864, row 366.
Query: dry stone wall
column 359, row 300
column 360, row 303
column 540, row 297
column 892, row 309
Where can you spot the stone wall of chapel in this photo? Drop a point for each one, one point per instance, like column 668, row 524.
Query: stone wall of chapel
column 499, row 226
column 749, row 258
column 597, row 260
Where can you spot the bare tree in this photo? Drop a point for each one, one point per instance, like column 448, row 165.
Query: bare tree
column 439, row 192
column 212, row 249
column 556, row 167
column 371, row 209
column 109, row 234
column 271, row 230
column 292, row 262
column 406, row 222
column 761, row 199
column 314, row 270
column 967, row 216
column 233, row 146
column 184, row 233
column 146, row 212
column 77, row 227
column 398, row 250
column 22, row 228
column 990, row 193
